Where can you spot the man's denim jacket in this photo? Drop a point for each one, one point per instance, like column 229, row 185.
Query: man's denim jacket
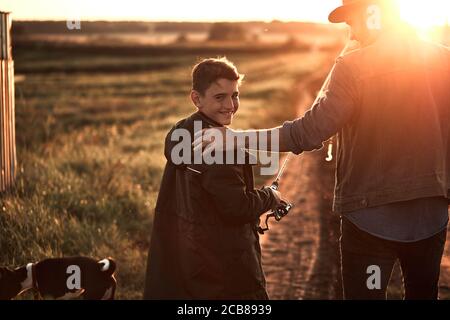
column 389, row 104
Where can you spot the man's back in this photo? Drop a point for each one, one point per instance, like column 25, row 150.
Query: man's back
column 389, row 105
column 396, row 145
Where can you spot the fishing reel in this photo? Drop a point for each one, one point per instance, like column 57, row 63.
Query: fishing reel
column 278, row 213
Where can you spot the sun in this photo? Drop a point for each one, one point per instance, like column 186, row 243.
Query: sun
column 425, row 15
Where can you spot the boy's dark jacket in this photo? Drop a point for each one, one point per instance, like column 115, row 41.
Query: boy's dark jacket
column 204, row 241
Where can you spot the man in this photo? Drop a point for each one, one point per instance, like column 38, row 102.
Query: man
column 204, row 242
column 389, row 103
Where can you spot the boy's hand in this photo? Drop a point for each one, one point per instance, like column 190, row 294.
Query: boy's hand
column 277, row 195
column 278, row 198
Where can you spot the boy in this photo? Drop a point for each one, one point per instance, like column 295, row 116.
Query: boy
column 204, row 242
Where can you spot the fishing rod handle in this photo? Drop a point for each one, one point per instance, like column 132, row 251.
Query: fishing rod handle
column 274, row 185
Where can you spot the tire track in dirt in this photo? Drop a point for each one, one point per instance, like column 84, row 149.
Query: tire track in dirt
column 300, row 253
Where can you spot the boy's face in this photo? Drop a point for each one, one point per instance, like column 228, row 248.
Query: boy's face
column 219, row 102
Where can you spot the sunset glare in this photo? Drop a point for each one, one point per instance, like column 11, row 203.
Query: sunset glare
column 421, row 14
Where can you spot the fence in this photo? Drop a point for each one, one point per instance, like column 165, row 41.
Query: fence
column 8, row 160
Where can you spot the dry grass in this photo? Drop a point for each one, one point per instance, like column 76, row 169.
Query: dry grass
column 90, row 149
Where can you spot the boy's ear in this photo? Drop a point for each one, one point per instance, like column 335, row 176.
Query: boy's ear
column 195, row 97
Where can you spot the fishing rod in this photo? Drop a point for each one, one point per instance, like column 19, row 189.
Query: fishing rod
column 284, row 207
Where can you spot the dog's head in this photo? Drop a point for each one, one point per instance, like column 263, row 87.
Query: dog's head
column 10, row 283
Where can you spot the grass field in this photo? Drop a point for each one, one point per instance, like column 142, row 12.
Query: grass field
column 90, row 131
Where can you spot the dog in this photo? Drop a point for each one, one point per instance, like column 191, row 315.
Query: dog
column 61, row 278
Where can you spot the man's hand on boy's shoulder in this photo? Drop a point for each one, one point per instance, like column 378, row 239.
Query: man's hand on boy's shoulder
column 209, row 137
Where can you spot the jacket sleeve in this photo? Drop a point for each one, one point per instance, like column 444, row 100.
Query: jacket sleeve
column 330, row 114
column 236, row 205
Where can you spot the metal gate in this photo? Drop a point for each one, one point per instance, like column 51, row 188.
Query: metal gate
column 8, row 160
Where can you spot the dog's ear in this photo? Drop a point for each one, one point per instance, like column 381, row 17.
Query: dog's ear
column 3, row 271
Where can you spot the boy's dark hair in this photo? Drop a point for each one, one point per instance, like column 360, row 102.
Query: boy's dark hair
column 210, row 70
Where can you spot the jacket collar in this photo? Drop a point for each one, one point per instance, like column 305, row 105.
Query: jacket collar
column 206, row 119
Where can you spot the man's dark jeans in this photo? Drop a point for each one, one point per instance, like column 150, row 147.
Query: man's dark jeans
column 420, row 263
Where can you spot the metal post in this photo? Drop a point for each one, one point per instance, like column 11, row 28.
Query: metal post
column 8, row 158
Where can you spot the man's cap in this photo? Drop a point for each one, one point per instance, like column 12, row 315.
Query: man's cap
column 340, row 14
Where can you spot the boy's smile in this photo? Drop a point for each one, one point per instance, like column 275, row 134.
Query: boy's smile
column 220, row 101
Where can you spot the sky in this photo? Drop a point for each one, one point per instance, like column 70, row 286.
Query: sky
column 420, row 12
column 172, row 10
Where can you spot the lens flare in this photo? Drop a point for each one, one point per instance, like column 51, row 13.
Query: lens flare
column 430, row 18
